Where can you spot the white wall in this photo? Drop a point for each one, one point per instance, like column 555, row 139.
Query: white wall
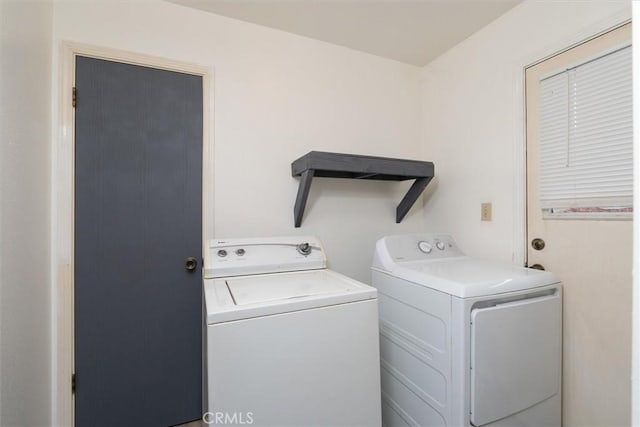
column 278, row 96
column 25, row 304
column 473, row 122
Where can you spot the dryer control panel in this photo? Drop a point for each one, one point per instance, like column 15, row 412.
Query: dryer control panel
column 391, row 250
column 245, row 256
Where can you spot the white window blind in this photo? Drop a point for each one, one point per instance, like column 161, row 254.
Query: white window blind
column 586, row 137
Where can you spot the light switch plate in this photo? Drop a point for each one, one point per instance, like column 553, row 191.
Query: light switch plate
column 485, row 212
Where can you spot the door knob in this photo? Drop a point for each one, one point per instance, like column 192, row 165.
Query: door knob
column 190, row 263
column 537, row 266
column 537, row 244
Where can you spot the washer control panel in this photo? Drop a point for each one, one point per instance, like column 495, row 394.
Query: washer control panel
column 239, row 257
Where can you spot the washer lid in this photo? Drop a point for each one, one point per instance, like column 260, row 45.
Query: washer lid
column 466, row 277
column 245, row 297
column 262, row 289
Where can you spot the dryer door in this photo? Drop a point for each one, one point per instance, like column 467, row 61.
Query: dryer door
column 515, row 356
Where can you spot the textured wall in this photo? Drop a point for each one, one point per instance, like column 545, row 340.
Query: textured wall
column 25, row 283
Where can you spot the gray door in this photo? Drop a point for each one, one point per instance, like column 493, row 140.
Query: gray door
column 138, row 216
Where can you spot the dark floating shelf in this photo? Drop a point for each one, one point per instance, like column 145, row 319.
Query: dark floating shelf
column 336, row 165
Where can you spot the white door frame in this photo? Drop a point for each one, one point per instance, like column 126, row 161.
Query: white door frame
column 635, row 332
column 63, row 204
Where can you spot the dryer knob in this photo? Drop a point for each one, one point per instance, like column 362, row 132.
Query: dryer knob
column 440, row 245
column 425, row 247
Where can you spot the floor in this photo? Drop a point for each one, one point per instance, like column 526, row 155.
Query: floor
column 197, row 423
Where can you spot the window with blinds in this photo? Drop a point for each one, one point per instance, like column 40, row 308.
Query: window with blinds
column 586, row 138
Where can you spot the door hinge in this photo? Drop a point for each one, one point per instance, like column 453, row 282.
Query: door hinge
column 73, row 383
column 74, row 97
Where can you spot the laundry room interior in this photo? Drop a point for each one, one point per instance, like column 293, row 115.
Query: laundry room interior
column 279, row 83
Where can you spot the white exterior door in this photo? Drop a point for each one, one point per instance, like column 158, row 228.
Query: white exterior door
column 592, row 255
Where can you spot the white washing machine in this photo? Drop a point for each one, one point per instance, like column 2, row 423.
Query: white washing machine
column 465, row 342
column 289, row 342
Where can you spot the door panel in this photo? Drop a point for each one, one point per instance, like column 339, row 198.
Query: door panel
column 593, row 260
column 138, row 215
column 521, row 342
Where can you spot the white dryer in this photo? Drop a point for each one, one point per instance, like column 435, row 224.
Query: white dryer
column 465, row 342
column 289, row 342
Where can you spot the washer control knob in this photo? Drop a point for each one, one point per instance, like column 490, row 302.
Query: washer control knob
column 440, row 245
column 240, row 252
column 304, row 248
column 425, row 247
column 222, row 253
